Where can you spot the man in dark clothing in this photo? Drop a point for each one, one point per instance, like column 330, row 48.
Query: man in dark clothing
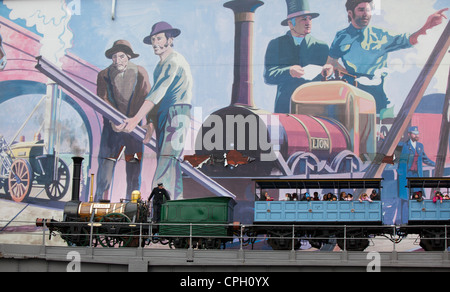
column 124, row 85
column 159, row 193
column 288, row 55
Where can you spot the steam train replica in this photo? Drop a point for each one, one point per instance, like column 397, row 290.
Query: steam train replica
column 332, row 126
column 208, row 222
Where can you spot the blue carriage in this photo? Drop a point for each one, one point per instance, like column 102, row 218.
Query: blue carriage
column 350, row 223
column 427, row 217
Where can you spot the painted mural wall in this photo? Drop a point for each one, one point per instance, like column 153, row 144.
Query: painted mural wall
column 205, row 95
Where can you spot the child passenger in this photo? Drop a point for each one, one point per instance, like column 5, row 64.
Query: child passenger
column 438, row 197
column 364, row 197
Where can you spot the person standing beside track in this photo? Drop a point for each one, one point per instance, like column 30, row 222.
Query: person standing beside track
column 158, row 195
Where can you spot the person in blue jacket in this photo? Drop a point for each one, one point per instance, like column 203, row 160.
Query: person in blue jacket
column 286, row 56
column 411, row 162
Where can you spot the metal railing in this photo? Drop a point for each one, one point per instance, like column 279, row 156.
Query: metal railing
column 288, row 237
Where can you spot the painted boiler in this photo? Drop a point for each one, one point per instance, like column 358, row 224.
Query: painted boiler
column 349, row 114
column 329, row 120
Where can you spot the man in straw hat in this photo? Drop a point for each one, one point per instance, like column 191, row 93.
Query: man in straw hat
column 124, row 85
column 287, row 55
column 168, row 106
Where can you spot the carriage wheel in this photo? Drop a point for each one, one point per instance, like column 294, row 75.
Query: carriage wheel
column 107, row 233
column 58, row 187
column 20, row 180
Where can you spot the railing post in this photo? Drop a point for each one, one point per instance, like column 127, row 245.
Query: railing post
column 293, row 237
column 43, row 232
column 445, row 238
column 241, row 238
column 190, row 235
column 140, row 234
column 345, row 237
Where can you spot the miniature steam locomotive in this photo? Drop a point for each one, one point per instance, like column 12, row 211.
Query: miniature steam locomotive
column 208, row 222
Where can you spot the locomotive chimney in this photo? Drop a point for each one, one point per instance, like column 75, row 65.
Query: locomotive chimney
column 244, row 12
column 76, row 178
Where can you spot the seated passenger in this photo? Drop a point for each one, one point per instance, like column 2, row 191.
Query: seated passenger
column 294, row 197
column 327, row 197
column 438, row 197
column 342, row 196
column 446, row 197
column 316, row 196
column 417, row 196
column 288, row 197
column 374, row 196
column 264, row 197
column 307, row 197
column 364, row 197
column 349, row 197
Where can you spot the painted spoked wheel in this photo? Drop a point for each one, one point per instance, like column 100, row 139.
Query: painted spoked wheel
column 59, row 185
column 20, row 180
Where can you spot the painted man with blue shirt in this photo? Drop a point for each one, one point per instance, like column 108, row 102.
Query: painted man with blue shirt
column 287, row 55
column 364, row 49
column 168, row 106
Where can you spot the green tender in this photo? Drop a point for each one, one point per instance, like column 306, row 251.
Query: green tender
column 178, row 217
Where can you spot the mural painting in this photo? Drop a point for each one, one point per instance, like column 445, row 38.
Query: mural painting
column 200, row 97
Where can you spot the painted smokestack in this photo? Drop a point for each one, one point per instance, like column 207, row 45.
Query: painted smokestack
column 244, row 12
column 76, row 178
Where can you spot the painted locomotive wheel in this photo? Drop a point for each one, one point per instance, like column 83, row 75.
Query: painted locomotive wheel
column 20, row 180
column 58, row 187
column 114, row 232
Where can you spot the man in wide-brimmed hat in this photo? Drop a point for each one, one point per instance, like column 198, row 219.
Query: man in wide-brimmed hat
column 287, row 55
column 168, row 106
column 124, row 85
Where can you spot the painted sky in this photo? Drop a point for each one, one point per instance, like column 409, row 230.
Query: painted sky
column 207, row 38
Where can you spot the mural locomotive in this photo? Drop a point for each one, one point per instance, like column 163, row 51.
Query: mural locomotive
column 306, row 102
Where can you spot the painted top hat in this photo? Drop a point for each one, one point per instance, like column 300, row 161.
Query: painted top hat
column 297, row 8
column 121, row 46
column 159, row 28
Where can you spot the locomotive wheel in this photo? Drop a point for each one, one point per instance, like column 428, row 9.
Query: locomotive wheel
column 106, row 234
column 57, row 188
column 434, row 241
column 77, row 236
column 353, row 242
column 20, row 180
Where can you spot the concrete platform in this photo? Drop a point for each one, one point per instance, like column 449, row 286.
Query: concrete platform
column 25, row 258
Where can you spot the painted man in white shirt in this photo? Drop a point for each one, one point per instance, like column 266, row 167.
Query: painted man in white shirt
column 168, row 106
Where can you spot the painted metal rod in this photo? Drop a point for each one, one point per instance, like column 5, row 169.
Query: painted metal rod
column 110, row 113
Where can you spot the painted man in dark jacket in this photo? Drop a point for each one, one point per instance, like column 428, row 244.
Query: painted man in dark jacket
column 158, row 195
column 287, row 55
column 124, row 85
